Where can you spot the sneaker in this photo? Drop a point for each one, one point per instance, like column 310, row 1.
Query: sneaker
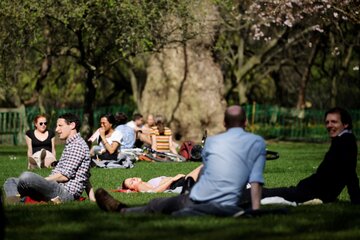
column 12, row 199
column 42, row 158
column 106, row 202
column 56, row 200
column 314, row 201
column 34, row 163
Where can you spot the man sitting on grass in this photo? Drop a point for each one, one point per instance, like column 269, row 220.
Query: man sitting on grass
column 231, row 160
column 67, row 180
column 337, row 170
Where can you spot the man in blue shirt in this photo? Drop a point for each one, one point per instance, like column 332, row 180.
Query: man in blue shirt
column 231, row 160
column 128, row 133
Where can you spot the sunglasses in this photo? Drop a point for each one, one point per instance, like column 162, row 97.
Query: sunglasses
column 42, row 123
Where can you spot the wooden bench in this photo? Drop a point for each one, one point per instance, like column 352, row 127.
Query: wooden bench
column 10, row 124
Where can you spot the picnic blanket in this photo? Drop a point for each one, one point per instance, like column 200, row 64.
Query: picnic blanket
column 123, row 161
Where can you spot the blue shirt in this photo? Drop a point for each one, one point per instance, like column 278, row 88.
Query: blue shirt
column 128, row 139
column 231, row 160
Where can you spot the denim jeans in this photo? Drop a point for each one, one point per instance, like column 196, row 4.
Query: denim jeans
column 36, row 187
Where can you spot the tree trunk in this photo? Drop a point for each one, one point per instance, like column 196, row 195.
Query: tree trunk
column 186, row 86
column 90, row 91
column 306, row 75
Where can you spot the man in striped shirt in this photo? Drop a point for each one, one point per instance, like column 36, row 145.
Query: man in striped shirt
column 67, row 180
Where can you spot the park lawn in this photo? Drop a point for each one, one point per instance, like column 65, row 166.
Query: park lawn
column 83, row 220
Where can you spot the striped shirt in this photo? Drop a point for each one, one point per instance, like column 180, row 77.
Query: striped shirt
column 74, row 164
column 162, row 141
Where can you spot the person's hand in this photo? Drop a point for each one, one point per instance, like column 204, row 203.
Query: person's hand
column 94, row 136
column 102, row 132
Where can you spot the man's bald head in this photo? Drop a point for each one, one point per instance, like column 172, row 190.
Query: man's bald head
column 235, row 116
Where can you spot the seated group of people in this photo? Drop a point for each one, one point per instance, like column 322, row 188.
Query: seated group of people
column 231, row 161
column 114, row 135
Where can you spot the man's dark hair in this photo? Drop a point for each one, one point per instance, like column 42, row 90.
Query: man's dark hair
column 344, row 116
column 121, row 118
column 71, row 118
column 111, row 119
column 137, row 116
column 235, row 116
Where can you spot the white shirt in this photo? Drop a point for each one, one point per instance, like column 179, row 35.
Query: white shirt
column 132, row 125
column 116, row 136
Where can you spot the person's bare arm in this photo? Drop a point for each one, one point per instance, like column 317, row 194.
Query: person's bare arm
column 171, row 144
column 90, row 192
column 153, row 142
column 53, row 149
column 111, row 148
column 164, row 186
column 195, row 173
column 58, row 177
column 29, row 146
column 256, row 190
column 145, row 138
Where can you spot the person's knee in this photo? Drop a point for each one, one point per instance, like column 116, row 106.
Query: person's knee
column 26, row 177
column 9, row 182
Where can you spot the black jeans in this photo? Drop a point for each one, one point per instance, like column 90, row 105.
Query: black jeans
column 182, row 205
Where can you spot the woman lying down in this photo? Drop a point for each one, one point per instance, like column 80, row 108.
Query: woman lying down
column 163, row 183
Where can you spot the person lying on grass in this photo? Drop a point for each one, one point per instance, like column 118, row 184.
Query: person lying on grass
column 337, row 170
column 67, row 180
column 159, row 184
column 230, row 160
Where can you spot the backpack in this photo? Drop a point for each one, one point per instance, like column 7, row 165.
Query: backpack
column 185, row 149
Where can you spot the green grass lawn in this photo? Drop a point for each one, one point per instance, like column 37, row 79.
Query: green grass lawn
column 83, row 220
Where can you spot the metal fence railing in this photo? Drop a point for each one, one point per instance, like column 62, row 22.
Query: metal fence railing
column 271, row 122
column 291, row 124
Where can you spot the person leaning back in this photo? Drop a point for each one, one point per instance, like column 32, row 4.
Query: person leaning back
column 335, row 172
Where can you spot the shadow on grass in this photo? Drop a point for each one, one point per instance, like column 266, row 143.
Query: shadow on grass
column 86, row 221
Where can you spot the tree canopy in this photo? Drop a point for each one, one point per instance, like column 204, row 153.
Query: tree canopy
column 91, row 53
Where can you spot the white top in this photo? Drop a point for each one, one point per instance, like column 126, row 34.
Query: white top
column 131, row 124
column 155, row 182
column 116, row 136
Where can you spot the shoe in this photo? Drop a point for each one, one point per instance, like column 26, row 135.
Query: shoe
column 33, row 163
column 12, row 200
column 314, row 201
column 42, row 158
column 56, row 200
column 106, row 202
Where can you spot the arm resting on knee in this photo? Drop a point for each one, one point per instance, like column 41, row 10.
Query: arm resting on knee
column 255, row 195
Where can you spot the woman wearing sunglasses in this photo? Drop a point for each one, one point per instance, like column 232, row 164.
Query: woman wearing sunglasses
column 41, row 144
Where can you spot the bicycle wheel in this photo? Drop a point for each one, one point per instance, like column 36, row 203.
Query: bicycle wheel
column 271, row 155
column 165, row 157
